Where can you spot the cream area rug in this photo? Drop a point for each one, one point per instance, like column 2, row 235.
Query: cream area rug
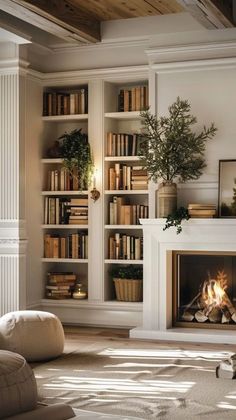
column 145, row 380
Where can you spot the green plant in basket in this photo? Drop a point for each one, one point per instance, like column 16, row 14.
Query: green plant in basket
column 77, row 156
column 134, row 272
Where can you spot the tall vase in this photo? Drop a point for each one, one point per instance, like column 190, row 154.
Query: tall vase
column 166, row 199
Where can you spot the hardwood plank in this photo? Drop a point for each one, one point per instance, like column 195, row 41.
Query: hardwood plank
column 163, row 8
column 66, row 14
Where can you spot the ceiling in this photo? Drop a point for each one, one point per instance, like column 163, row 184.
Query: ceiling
column 80, row 20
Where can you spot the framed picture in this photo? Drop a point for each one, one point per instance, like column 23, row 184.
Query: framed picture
column 227, row 188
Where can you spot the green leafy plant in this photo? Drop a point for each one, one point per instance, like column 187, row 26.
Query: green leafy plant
column 77, row 156
column 176, row 218
column 169, row 148
column 127, row 272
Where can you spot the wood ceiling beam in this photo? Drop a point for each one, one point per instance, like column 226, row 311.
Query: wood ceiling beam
column 211, row 13
column 56, row 17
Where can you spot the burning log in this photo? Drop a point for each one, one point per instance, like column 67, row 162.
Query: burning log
column 200, row 316
column 215, row 315
column 213, row 303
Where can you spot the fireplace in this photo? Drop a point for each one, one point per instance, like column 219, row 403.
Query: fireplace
column 204, row 289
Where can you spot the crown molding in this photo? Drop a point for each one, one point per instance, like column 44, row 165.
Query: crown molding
column 200, row 51
column 84, row 76
column 195, row 65
column 64, row 48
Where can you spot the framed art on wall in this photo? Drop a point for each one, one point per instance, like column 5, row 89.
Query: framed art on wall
column 227, row 188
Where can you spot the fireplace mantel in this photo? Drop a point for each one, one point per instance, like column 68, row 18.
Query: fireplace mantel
column 197, row 235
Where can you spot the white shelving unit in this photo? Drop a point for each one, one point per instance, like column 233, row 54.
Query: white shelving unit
column 101, row 306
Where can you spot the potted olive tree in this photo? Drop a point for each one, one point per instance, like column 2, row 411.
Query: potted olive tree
column 171, row 151
column 128, row 281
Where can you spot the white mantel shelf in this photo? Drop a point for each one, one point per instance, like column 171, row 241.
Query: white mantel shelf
column 213, row 235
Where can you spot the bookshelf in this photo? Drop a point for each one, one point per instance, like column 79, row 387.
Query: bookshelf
column 93, row 270
column 65, row 238
column 122, row 201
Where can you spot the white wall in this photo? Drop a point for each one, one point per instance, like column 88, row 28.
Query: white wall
column 212, row 95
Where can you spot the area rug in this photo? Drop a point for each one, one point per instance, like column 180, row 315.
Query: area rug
column 146, row 380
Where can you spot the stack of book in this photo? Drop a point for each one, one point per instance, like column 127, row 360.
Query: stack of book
column 77, row 211
column 122, row 213
column 122, row 144
column 61, row 103
column 134, row 98
column 75, row 245
column 227, row 368
column 202, row 210
column 125, row 247
column 60, row 285
column 125, row 177
column 139, row 178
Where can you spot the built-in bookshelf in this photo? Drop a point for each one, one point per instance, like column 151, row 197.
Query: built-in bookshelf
column 125, row 181
column 80, row 237
column 65, row 207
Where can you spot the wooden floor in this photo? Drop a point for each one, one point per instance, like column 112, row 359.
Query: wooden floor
column 72, row 331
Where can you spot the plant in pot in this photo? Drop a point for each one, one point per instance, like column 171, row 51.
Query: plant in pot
column 128, row 281
column 77, row 157
column 171, row 151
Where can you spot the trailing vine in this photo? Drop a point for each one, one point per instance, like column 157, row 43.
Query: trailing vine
column 176, row 218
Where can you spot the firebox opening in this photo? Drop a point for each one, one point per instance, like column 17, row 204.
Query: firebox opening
column 204, row 289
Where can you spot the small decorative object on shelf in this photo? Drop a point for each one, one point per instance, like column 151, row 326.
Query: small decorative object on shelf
column 170, row 149
column 80, row 292
column 128, row 283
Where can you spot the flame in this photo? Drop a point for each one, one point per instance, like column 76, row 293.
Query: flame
column 213, row 293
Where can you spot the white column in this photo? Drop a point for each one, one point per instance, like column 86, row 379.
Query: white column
column 12, row 224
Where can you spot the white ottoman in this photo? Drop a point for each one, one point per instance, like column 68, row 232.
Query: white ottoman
column 36, row 335
column 18, row 389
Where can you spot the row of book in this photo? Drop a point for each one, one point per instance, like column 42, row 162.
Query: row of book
column 60, row 285
column 64, row 210
column 133, row 99
column 125, row 247
column 122, row 144
column 121, row 213
column 69, row 103
column 124, row 177
column 74, row 245
column 62, row 180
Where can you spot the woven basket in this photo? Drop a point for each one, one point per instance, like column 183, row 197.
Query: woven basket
column 129, row 290
column 166, row 199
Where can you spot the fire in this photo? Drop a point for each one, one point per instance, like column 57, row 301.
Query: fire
column 213, row 293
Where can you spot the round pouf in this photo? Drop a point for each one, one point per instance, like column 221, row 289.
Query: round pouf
column 36, row 335
column 18, row 389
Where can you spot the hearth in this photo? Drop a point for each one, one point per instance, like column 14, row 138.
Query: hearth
column 204, row 289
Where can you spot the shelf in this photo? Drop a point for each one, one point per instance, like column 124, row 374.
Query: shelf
column 123, row 261
column 64, row 192
column 130, row 115
column 108, row 304
column 65, row 226
column 123, row 227
column 118, row 192
column 63, row 118
column 121, row 158
column 52, row 160
column 64, row 260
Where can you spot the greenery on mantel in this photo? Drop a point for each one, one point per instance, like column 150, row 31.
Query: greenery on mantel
column 176, row 218
column 170, row 151
column 77, row 157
